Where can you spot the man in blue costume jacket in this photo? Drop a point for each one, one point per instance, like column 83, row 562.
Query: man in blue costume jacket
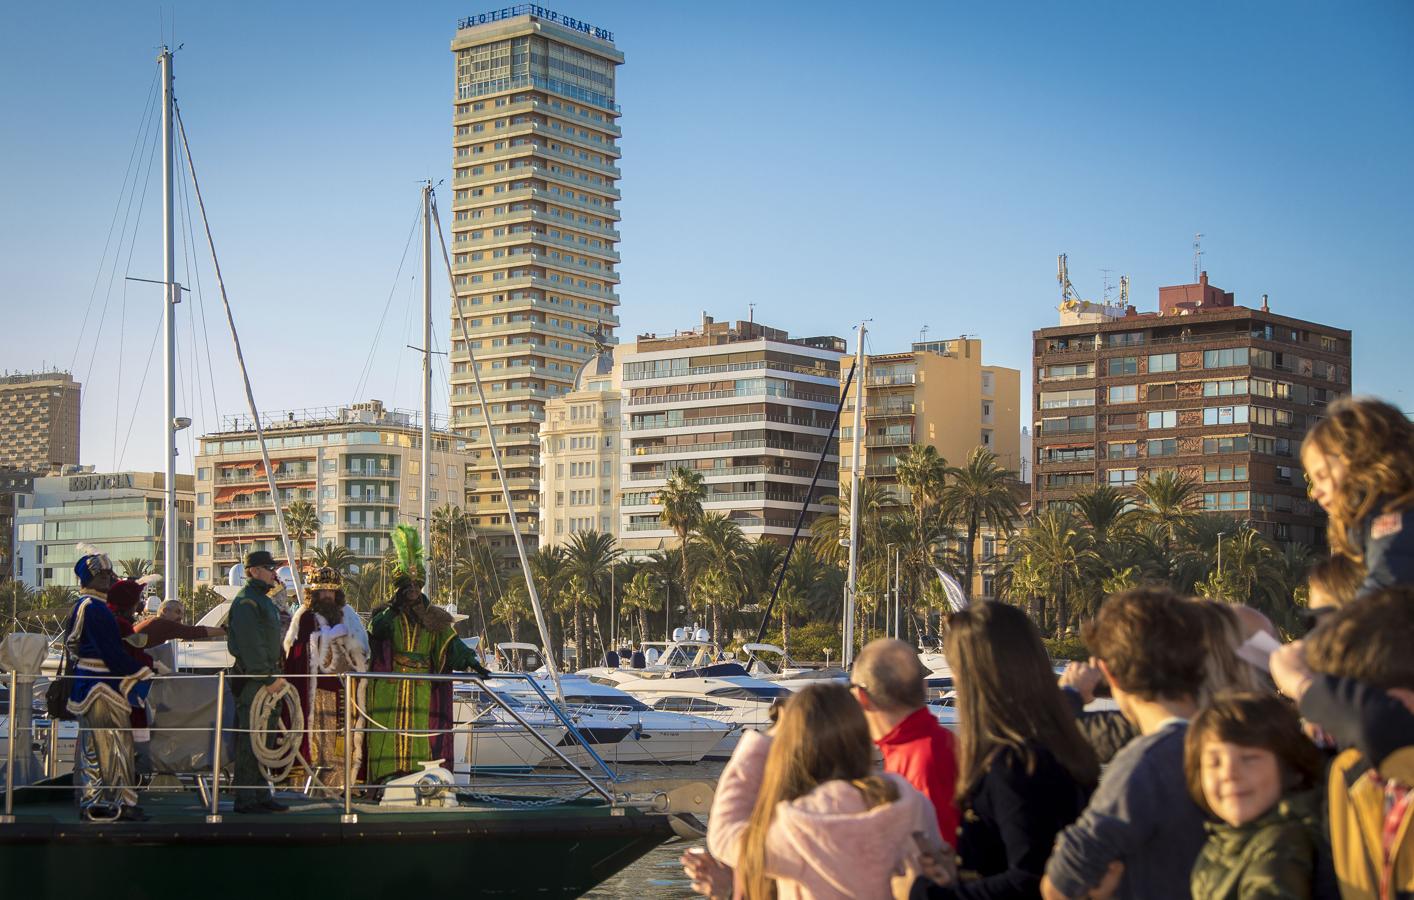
column 105, row 687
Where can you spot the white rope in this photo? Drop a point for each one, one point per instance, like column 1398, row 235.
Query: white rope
column 277, row 749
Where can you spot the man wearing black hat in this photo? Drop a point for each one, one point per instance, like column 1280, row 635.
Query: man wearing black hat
column 253, row 638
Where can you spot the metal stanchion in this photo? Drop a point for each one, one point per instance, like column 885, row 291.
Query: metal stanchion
column 348, row 817
column 51, row 754
column 9, row 817
column 214, row 816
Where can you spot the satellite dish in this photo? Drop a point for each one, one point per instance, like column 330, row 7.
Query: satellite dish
column 702, row 635
column 236, row 577
column 287, row 577
column 679, row 633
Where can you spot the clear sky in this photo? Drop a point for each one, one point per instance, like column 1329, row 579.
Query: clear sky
column 918, row 164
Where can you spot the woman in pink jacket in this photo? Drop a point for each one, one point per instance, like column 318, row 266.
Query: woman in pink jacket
column 801, row 814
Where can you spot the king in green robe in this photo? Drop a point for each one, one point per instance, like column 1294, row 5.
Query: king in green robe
column 411, row 636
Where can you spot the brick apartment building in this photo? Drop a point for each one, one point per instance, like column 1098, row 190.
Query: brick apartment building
column 1220, row 392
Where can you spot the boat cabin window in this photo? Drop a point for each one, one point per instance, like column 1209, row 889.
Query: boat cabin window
column 606, row 701
column 687, row 705
column 750, row 692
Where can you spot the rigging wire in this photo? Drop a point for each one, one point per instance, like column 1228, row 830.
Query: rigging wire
column 240, row 357
column 132, row 242
column 362, row 382
column 137, row 401
column 200, row 301
column 122, row 191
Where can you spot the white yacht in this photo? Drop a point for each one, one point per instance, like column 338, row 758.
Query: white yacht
column 655, row 736
column 769, row 662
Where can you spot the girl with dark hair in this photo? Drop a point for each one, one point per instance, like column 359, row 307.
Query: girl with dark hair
column 1250, row 767
column 1359, row 463
column 1024, row 769
column 801, row 814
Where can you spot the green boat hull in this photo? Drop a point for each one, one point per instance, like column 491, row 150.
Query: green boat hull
column 562, row 850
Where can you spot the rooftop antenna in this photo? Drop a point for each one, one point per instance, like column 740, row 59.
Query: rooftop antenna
column 1197, row 256
column 1063, row 278
column 1124, row 290
column 751, row 313
column 1106, row 274
column 923, row 335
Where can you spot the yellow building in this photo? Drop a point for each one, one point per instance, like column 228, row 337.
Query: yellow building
column 938, row 393
column 534, row 230
column 580, row 456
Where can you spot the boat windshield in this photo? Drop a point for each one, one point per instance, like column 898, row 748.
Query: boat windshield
column 688, row 656
column 761, row 694
column 606, row 701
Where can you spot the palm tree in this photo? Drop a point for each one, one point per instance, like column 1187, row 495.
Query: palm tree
column 681, row 499
column 590, row 556
column 334, row 556
column 1170, row 502
column 979, row 492
column 804, row 577
column 642, row 594
column 1105, row 510
column 550, row 570
column 135, row 568
column 720, row 549
column 1057, row 548
column 451, row 536
column 364, row 588
column 512, row 606
column 302, row 523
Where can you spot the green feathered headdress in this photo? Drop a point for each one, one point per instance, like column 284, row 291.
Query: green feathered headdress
column 408, row 565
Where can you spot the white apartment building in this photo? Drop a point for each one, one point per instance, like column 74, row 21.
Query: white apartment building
column 747, row 406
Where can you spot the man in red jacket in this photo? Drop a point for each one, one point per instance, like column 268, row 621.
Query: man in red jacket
column 888, row 682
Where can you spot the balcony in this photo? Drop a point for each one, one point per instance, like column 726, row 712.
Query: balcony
column 707, row 421
column 734, row 472
column 688, row 397
column 229, row 477
column 889, row 440
column 733, row 367
column 888, row 410
column 889, row 380
column 756, row 444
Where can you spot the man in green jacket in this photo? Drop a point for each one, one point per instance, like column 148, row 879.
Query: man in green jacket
column 253, row 637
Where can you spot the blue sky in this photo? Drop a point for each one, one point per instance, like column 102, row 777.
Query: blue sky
column 919, row 164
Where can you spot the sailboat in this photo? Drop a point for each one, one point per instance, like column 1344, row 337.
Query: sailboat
column 439, row 837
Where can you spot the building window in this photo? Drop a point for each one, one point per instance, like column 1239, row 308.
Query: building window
column 1123, row 450
column 1124, row 393
column 203, row 573
column 1124, row 339
column 203, row 473
column 203, row 523
column 1225, row 473
column 1233, row 444
column 1122, row 365
column 1163, row 362
column 1224, row 415
column 1225, row 359
column 1123, row 422
column 1168, row 391
column 1235, row 387
column 1225, row 501
column 1162, row 447
column 1163, row 418
column 1121, row 477
column 203, row 548
column 203, row 499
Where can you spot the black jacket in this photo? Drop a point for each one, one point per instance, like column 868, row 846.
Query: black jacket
column 1010, row 821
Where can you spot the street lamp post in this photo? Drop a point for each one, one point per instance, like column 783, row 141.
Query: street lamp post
column 1220, row 554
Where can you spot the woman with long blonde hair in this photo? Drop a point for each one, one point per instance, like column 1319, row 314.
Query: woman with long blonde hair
column 802, row 814
column 1359, row 464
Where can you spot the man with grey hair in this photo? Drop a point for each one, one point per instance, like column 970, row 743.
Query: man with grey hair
column 888, row 682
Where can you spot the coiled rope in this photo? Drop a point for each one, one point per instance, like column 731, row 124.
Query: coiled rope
column 276, row 747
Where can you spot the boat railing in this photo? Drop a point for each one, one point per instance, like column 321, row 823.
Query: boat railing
column 17, row 742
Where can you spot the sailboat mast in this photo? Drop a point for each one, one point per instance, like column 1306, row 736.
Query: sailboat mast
column 847, row 657
column 425, row 494
column 170, row 578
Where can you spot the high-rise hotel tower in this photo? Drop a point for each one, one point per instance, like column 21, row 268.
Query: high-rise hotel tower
column 534, row 229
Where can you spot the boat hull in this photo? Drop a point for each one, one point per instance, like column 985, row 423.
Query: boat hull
column 466, row 852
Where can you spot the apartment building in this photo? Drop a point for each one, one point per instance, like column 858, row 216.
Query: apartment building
column 359, row 465
column 39, row 421
column 747, row 406
column 1220, row 392
column 534, row 232
column 580, row 453
column 120, row 513
column 938, row 393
